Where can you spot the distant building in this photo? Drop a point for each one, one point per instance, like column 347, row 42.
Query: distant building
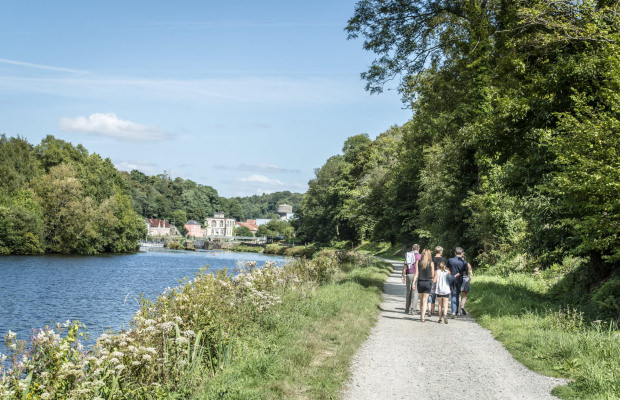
column 159, row 227
column 250, row 224
column 219, row 226
column 194, row 229
column 285, row 212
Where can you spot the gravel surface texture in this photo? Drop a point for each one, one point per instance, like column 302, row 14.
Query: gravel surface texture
column 404, row 358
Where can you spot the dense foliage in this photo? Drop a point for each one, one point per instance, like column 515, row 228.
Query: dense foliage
column 266, row 205
column 56, row 197
column 514, row 143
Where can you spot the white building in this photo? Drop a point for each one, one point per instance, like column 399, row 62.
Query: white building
column 219, row 226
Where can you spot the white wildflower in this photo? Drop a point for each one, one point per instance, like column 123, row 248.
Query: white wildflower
column 45, row 396
column 114, row 360
column 117, row 354
column 189, row 333
column 150, row 329
column 119, row 367
column 136, row 363
column 149, row 322
column 146, row 357
column 151, row 350
column 166, row 326
column 182, row 340
column 178, row 319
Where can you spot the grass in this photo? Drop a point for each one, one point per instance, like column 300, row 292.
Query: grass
column 301, row 349
column 550, row 338
column 383, row 249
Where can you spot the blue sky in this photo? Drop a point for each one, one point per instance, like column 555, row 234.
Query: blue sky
column 248, row 97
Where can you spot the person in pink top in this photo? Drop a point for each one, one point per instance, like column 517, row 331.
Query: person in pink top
column 409, row 270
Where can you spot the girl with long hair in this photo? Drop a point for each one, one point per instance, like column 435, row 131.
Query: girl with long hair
column 424, row 276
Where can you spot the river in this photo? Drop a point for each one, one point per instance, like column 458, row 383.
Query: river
column 100, row 291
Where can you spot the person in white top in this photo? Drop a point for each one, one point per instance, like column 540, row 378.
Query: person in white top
column 442, row 281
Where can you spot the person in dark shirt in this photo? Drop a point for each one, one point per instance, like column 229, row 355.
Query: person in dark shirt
column 456, row 265
column 466, row 286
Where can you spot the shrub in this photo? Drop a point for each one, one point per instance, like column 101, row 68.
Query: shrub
column 175, row 246
column 607, row 298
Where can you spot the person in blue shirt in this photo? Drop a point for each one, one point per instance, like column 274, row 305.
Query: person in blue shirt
column 456, row 265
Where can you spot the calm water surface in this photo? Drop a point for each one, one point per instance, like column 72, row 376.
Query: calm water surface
column 100, row 291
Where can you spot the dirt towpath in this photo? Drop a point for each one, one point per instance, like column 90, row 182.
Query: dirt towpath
column 406, row 359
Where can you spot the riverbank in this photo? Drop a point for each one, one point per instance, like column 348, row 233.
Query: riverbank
column 194, row 338
column 301, row 349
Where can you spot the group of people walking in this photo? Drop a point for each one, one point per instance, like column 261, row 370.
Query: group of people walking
column 434, row 280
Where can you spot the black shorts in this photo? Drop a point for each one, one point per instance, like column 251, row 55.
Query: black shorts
column 424, row 286
column 445, row 296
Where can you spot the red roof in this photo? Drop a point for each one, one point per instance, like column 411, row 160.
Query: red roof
column 157, row 222
column 250, row 224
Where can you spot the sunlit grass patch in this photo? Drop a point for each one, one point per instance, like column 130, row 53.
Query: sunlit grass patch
column 550, row 338
column 302, row 347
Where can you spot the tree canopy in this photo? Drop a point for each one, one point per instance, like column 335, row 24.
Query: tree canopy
column 513, row 146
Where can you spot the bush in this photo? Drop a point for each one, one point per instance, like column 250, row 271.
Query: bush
column 175, row 246
column 607, row 298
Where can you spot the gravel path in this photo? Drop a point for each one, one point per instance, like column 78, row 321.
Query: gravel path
column 402, row 357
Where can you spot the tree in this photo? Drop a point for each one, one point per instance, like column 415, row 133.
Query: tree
column 68, row 215
column 241, row 230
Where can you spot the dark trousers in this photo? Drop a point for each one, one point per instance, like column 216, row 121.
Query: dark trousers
column 455, row 292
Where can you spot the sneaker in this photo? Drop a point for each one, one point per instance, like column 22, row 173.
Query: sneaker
column 463, row 311
column 452, row 316
column 445, row 319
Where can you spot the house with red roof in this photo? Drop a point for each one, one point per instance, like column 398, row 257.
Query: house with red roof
column 250, row 224
column 160, row 227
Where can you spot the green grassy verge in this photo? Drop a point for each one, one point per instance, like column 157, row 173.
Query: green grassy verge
column 548, row 337
column 302, row 347
column 383, row 249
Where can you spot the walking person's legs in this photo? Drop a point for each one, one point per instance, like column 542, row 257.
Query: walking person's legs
column 444, row 303
column 409, row 293
column 423, row 302
column 454, row 297
column 462, row 302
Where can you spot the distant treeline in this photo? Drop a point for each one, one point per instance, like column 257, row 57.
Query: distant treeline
column 513, row 150
column 179, row 200
column 56, row 197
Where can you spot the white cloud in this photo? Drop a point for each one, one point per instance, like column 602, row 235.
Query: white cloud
column 262, row 184
column 109, row 125
column 145, row 167
column 41, row 66
column 245, row 90
column 258, row 167
column 261, row 179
